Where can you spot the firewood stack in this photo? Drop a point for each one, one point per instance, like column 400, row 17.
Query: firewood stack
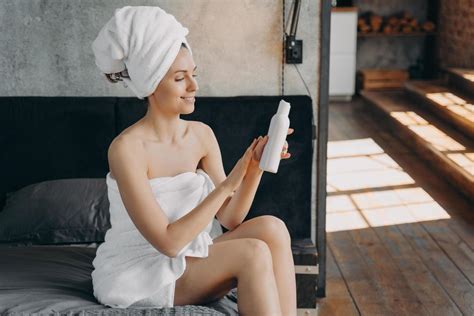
column 403, row 22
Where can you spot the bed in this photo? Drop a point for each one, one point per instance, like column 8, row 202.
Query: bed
column 53, row 201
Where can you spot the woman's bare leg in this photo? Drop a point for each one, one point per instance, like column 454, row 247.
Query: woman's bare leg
column 272, row 231
column 246, row 263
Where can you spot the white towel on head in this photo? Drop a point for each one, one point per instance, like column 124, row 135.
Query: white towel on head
column 145, row 41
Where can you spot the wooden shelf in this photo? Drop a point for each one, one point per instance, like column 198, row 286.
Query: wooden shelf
column 344, row 9
column 397, row 34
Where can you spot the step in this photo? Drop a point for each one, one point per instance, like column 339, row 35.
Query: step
column 450, row 152
column 451, row 105
column 462, row 78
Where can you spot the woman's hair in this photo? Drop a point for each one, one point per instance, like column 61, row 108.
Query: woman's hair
column 117, row 76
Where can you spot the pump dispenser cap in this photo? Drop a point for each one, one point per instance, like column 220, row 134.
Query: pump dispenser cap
column 283, row 108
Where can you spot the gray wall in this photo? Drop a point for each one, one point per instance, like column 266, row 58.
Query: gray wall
column 45, row 47
column 390, row 52
column 237, row 45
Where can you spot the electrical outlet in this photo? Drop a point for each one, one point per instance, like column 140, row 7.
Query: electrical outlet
column 294, row 51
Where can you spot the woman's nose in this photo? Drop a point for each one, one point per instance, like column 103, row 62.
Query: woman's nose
column 193, row 85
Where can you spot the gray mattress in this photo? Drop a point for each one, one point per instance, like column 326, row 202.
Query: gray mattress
column 57, row 279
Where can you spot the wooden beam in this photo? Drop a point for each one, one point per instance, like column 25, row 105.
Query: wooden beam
column 321, row 141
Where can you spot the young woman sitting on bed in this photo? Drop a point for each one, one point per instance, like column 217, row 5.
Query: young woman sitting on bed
column 254, row 255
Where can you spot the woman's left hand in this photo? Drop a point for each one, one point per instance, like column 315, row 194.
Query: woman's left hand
column 258, row 150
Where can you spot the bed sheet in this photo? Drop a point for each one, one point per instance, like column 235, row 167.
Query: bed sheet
column 57, row 279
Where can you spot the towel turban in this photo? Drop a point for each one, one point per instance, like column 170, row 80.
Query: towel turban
column 145, row 41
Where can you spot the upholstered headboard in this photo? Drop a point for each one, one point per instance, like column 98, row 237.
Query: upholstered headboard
column 46, row 138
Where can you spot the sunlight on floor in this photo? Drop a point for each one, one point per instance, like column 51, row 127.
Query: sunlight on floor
column 361, row 164
column 355, row 147
column 371, row 171
column 437, row 138
column 453, row 103
column 469, row 77
column 395, row 200
column 465, row 160
column 445, row 98
column 428, row 132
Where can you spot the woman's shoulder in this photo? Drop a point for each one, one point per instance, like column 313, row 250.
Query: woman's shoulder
column 132, row 136
column 129, row 140
column 125, row 150
column 125, row 143
column 198, row 126
column 203, row 132
column 202, row 129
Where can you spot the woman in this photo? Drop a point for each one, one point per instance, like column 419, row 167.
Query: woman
column 161, row 150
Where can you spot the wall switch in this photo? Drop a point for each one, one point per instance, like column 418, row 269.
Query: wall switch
column 294, row 50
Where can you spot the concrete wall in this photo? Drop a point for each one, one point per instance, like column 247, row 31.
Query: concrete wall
column 237, row 45
column 45, row 47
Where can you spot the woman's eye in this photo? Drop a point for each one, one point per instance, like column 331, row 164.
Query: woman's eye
column 181, row 79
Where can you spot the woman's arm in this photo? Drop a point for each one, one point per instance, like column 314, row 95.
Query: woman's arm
column 211, row 163
column 129, row 168
column 236, row 207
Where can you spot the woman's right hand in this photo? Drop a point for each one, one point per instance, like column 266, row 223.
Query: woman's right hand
column 235, row 177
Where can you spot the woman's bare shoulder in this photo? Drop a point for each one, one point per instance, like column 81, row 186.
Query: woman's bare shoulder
column 201, row 129
column 132, row 137
column 125, row 141
column 125, row 147
column 205, row 134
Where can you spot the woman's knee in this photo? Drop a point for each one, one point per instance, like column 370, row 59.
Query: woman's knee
column 256, row 253
column 274, row 228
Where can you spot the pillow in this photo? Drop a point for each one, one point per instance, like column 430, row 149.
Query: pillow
column 56, row 212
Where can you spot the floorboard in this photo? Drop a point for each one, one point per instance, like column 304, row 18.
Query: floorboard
column 338, row 300
column 393, row 249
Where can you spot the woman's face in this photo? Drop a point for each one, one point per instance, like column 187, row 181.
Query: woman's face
column 176, row 91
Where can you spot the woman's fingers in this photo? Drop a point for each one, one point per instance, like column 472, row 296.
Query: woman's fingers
column 248, row 153
column 255, row 149
column 254, row 144
column 285, row 154
column 258, row 144
column 285, row 148
column 261, row 144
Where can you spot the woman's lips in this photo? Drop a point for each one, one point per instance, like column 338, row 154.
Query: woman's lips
column 189, row 100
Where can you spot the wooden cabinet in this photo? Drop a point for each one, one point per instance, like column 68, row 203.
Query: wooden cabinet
column 343, row 46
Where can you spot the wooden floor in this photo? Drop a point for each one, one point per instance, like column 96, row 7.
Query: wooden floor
column 400, row 238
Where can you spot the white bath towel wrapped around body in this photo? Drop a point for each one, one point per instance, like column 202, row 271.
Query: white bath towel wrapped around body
column 128, row 270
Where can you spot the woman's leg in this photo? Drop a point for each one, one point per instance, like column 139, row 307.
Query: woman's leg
column 246, row 263
column 272, row 231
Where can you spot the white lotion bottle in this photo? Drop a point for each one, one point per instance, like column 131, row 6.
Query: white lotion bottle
column 277, row 133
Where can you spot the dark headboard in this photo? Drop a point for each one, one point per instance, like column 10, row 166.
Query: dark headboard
column 46, row 138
